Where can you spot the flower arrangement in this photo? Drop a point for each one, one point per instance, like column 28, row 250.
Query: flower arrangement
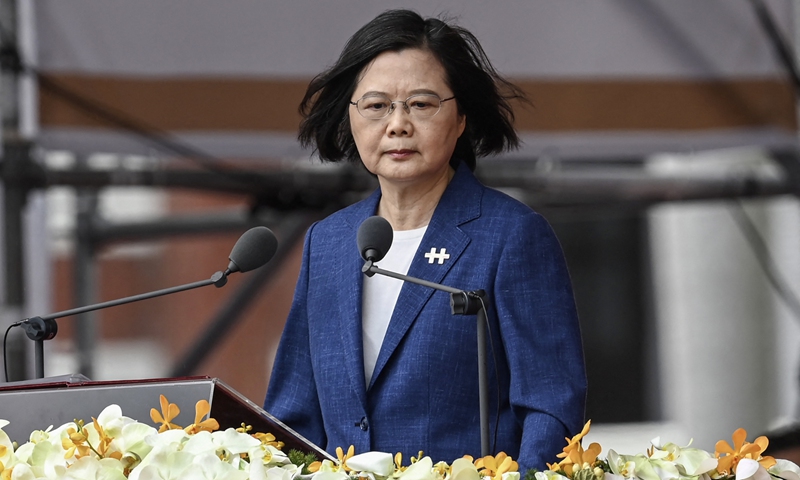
column 668, row 461
column 115, row 447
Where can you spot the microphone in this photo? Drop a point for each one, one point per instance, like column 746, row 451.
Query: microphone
column 253, row 249
column 374, row 238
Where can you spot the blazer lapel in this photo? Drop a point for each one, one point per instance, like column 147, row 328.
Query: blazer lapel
column 459, row 204
column 350, row 302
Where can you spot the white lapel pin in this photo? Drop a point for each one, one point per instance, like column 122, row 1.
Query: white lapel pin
column 441, row 256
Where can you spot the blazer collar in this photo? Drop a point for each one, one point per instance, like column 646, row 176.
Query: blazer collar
column 461, row 200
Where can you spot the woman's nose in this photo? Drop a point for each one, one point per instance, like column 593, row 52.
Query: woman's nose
column 399, row 120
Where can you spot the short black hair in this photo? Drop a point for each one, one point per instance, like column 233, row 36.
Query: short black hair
column 482, row 94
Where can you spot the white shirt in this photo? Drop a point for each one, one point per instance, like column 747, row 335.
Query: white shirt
column 380, row 294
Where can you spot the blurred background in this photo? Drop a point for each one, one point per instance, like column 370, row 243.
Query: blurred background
column 140, row 139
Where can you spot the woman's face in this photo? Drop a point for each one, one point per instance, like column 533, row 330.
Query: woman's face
column 402, row 148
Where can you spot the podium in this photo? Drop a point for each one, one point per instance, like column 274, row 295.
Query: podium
column 37, row 404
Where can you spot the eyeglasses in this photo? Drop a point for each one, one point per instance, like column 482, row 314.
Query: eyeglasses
column 423, row 105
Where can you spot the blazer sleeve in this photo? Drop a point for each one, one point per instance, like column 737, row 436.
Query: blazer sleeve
column 541, row 336
column 292, row 393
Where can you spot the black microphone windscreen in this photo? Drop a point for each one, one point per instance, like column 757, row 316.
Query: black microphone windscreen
column 374, row 238
column 254, row 248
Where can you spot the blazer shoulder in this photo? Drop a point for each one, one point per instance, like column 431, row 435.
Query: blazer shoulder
column 468, row 200
column 348, row 217
column 497, row 203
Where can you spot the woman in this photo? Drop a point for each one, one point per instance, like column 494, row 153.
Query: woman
column 381, row 364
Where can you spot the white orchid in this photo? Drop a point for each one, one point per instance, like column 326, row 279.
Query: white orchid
column 90, row 468
column 622, row 465
column 328, row 472
column 162, row 464
column 23, row 471
column 463, row 469
column 268, row 454
column 378, row 463
column 749, row 469
column 46, row 460
column 113, row 421
column 785, row 469
column 227, row 445
column 7, row 457
column 50, row 436
column 549, row 475
column 671, row 461
column 279, row 473
column 422, row 469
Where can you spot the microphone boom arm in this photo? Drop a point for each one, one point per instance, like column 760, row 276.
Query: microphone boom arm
column 461, row 303
column 44, row 327
column 219, row 279
column 252, row 250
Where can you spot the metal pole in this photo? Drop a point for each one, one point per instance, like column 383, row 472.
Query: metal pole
column 39, row 358
column 483, row 383
column 85, row 281
column 14, row 196
column 13, row 151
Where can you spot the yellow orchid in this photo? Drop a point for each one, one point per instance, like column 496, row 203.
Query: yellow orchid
column 313, row 467
column 442, row 470
column 269, row 439
column 420, row 456
column 168, row 413
column 728, row 457
column 201, row 409
column 574, row 457
column 575, row 442
column 495, row 466
column 554, row 467
column 589, row 456
column 75, row 443
column 103, row 445
column 398, row 464
column 342, row 457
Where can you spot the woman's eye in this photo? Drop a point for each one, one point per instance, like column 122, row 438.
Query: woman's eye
column 421, row 104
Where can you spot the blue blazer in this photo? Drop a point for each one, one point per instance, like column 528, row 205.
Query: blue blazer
column 424, row 390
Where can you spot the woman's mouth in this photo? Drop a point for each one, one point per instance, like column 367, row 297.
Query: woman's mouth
column 400, row 153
